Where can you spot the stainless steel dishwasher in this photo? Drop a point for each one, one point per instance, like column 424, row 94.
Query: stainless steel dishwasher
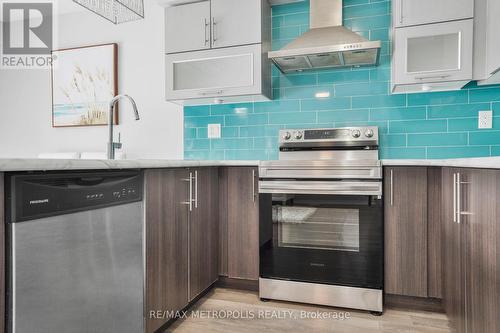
column 75, row 252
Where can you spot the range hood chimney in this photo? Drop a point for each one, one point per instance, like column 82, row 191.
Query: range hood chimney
column 328, row 44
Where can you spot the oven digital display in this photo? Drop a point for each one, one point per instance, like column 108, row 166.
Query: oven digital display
column 325, row 134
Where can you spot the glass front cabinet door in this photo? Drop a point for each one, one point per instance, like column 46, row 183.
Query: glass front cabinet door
column 235, row 71
column 433, row 53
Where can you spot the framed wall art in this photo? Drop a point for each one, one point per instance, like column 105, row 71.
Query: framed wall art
column 84, row 80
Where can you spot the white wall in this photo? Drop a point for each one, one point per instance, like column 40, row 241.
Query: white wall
column 25, row 96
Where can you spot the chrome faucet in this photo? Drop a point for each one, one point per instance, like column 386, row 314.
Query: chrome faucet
column 111, row 144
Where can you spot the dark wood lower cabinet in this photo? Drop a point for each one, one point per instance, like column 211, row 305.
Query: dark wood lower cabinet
column 482, row 259
column 406, row 231
column 434, row 234
column 204, row 232
column 471, row 247
column 242, row 223
column 453, row 249
column 166, row 244
column 181, row 242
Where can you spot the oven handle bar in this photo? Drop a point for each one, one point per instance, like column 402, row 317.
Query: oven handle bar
column 321, row 187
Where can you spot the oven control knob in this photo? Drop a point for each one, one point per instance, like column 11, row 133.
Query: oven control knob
column 356, row 134
column 369, row 133
column 287, row 136
column 298, row 135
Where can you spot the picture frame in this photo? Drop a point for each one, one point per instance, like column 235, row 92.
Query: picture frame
column 84, row 80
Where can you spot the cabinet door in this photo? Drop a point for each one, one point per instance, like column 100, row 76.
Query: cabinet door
column 215, row 73
column 406, row 231
column 187, row 27
column 493, row 43
column 203, row 231
column 483, row 258
column 434, row 233
column 433, row 53
column 166, row 244
column 243, row 223
column 453, row 252
column 411, row 12
column 236, row 22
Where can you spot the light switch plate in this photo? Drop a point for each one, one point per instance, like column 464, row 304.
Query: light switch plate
column 485, row 119
column 214, row 131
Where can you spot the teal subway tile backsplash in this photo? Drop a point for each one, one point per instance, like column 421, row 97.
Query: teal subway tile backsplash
column 425, row 125
column 454, row 111
column 457, row 152
column 495, row 151
column 445, row 97
column 403, row 113
column 485, row 138
column 440, row 139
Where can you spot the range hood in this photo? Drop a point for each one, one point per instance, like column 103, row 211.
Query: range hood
column 328, row 44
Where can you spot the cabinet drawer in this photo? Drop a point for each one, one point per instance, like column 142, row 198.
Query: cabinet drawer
column 411, row 12
column 214, row 73
column 432, row 53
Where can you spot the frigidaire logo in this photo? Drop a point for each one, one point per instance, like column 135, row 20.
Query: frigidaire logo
column 27, row 34
column 314, row 264
column 38, row 202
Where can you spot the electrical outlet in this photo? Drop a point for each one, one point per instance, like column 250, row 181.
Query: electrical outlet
column 485, row 119
column 214, row 131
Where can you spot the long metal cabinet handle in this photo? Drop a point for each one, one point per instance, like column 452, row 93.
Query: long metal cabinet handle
column 421, row 78
column 190, row 199
column 208, row 93
column 253, row 185
column 214, row 30
column 207, row 36
column 459, row 200
column 392, row 187
column 454, row 197
column 196, row 189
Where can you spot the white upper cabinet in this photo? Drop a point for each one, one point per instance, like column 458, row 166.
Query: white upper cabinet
column 217, row 51
column 220, row 74
column 430, row 54
column 236, row 22
column 188, row 27
column 487, row 42
column 213, row 24
column 416, row 12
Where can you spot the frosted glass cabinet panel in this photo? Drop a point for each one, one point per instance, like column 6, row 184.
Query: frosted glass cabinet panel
column 415, row 12
column 219, row 72
column 433, row 53
column 214, row 73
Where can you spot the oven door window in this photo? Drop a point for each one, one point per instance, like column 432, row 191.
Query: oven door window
column 300, row 222
column 332, row 239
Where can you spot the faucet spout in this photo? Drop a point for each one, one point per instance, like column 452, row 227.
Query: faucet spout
column 111, row 144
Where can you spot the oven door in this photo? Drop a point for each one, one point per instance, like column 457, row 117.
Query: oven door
column 327, row 232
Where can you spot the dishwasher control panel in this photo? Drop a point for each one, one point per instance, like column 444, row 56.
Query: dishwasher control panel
column 38, row 195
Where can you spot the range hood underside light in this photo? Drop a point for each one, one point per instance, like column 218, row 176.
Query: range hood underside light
column 365, row 57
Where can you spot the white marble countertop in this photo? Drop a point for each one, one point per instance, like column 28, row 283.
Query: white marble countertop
column 480, row 162
column 63, row 164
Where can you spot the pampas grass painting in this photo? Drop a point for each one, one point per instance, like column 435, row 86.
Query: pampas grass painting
column 84, row 80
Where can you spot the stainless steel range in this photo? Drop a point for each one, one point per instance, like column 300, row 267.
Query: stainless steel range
column 321, row 226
